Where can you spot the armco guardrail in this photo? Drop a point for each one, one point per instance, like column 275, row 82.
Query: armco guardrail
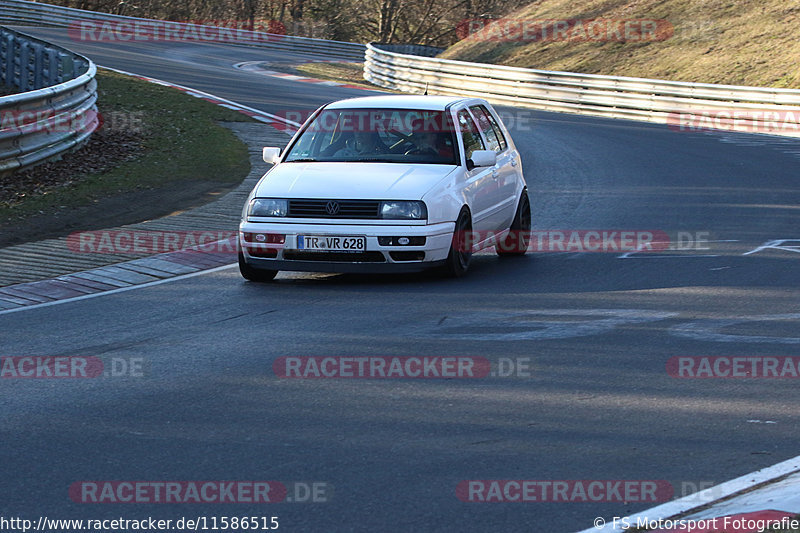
column 731, row 107
column 56, row 108
column 23, row 12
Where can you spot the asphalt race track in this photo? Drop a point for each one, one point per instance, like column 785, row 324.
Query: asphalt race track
column 596, row 329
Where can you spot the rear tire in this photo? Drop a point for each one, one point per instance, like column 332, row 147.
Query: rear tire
column 255, row 274
column 457, row 262
column 516, row 243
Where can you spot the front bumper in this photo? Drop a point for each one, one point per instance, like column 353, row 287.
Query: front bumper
column 375, row 258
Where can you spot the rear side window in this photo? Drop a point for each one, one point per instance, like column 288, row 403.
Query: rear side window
column 490, row 128
column 469, row 132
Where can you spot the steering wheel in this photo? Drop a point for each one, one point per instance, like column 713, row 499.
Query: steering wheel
column 403, row 138
column 419, row 151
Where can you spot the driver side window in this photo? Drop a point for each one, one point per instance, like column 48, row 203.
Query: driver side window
column 469, row 133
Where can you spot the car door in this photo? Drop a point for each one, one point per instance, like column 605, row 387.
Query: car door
column 506, row 176
column 479, row 183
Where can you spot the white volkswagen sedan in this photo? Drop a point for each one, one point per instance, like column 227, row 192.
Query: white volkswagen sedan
column 387, row 184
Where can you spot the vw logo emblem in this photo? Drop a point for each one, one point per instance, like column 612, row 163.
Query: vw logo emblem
column 332, row 208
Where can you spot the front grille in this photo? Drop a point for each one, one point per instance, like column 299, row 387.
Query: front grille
column 340, row 257
column 342, row 209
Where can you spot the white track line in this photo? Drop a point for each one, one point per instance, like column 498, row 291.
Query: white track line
column 703, row 498
column 192, row 92
column 198, row 93
column 121, row 289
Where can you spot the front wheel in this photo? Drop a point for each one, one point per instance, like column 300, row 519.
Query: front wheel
column 458, row 259
column 254, row 274
column 516, row 243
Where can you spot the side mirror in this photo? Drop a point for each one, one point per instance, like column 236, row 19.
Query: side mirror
column 482, row 158
column 271, row 154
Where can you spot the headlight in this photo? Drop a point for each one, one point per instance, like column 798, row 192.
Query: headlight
column 404, row 210
column 267, row 207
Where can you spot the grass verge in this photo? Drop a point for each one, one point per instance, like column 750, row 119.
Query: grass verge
column 738, row 42
column 153, row 137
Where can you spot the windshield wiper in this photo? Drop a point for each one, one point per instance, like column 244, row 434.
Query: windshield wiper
column 376, row 160
column 302, row 160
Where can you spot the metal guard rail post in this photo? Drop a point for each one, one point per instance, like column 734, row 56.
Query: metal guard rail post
column 55, row 111
column 736, row 108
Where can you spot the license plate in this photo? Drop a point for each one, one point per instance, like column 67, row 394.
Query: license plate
column 327, row 243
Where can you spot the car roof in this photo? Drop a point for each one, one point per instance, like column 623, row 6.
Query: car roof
column 404, row 101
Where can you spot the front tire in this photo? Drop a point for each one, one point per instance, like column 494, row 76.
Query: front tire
column 254, row 274
column 516, row 243
column 457, row 262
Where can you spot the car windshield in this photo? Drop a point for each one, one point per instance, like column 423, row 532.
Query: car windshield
column 377, row 136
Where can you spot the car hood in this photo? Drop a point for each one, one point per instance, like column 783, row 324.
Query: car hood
column 357, row 181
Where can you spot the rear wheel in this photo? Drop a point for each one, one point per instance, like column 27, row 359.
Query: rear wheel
column 458, row 259
column 516, row 243
column 254, row 274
